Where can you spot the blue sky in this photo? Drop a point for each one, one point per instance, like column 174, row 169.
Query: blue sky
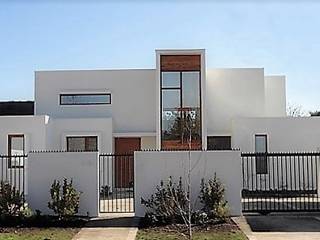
column 284, row 38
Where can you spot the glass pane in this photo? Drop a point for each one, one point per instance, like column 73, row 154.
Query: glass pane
column 219, row 143
column 91, row 144
column 74, row 99
column 191, row 128
column 170, row 79
column 76, row 144
column 17, row 147
column 261, row 161
column 67, row 99
column 260, row 144
column 170, row 99
column 171, row 129
column 190, row 89
column 181, row 129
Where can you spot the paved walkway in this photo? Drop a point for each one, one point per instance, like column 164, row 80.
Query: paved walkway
column 111, row 228
column 298, row 227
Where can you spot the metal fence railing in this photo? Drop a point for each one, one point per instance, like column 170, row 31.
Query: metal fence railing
column 116, row 181
column 280, row 182
column 13, row 171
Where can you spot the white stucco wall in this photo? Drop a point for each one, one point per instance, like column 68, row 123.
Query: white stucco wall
column 133, row 96
column 275, row 96
column 152, row 167
column 233, row 93
column 284, row 134
column 33, row 127
column 60, row 128
column 44, row 168
column 227, row 94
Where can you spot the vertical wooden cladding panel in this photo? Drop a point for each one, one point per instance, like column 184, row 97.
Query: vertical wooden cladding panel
column 180, row 62
column 124, row 165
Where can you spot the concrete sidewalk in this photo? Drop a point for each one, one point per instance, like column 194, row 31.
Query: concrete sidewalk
column 115, row 228
column 299, row 227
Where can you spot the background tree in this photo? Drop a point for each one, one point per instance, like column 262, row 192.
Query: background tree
column 315, row 113
column 294, row 110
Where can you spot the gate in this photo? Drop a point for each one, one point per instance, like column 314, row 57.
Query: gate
column 116, row 181
column 13, row 171
column 280, row 182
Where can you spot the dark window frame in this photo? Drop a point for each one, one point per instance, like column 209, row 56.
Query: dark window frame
column 84, row 94
column 181, row 99
column 221, row 137
column 10, row 156
column 261, row 157
column 85, row 137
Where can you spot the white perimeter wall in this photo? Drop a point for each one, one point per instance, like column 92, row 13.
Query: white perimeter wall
column 284, row 134
column 133, row 96
column 152, row 167
column 44, row 168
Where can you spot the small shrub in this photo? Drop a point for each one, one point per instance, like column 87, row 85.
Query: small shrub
column 11, row 200
column 212, row 198
column 105, row 191
column 167, row 204
column 200, row 218
column 65, row 199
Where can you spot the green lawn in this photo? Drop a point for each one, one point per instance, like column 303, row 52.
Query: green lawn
column 38, row 233
column 149, row 234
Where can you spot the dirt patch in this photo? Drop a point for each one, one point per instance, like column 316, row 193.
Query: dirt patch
column 228, row 226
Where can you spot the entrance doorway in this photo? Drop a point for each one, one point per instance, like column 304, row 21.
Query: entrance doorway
column 124, row 167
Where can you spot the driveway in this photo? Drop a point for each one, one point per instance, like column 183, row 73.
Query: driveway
column 276, row 227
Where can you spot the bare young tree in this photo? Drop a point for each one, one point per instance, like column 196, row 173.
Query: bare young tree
column 186, row 214
column 294, row 110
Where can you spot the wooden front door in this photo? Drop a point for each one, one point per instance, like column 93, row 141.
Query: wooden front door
column 124, row 165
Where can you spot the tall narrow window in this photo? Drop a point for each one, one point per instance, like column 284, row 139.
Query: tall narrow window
column 16, row 150
column 180, row 85
column 261, row 148
column 79, row 143
column 181, row 114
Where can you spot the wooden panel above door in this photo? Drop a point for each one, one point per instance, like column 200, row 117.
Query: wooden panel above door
column 127, row 145
column 180, row 62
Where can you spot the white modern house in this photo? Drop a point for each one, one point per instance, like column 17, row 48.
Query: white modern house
column 129, row 109
column 178, row 105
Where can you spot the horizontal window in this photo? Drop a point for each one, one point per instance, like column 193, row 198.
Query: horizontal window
column 218, row 142
column 85, row 143
column 85, row 99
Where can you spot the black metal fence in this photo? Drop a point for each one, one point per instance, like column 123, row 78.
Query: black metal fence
column 13, row 171
column 116, row 181
column 280, row 182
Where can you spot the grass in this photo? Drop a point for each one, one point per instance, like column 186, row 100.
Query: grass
column 38, row 233
column 209, row 235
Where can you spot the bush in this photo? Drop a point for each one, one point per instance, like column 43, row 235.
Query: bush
column 212, row 198
column 105, row 191
column 64, row 202
column 11, row 200
column 167, row 204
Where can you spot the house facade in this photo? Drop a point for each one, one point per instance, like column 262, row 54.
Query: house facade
column 178, row 105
